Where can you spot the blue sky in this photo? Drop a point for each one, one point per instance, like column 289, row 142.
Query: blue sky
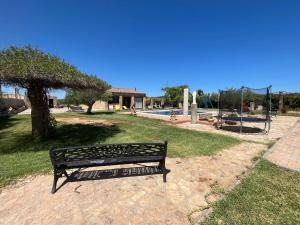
column 150, row 44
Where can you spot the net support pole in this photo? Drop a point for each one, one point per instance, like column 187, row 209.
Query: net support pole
column 269, row 93
column 220, row 111
column 241, row 112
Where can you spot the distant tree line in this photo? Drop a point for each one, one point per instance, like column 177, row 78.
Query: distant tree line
column 174, row 96
column 87, row 97
column 291, row 101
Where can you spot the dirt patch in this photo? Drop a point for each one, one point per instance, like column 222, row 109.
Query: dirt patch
column 80, row 120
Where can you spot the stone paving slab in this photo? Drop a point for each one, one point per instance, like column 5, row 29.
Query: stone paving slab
column 286, row 152
column 131, row 200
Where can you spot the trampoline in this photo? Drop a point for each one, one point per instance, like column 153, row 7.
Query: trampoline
column 244, row 107
column 245, row 119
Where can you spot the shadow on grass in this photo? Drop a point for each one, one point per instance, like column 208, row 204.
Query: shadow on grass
column 66, row 135
column 77, row 134
column 7, row 121
column 101, row 113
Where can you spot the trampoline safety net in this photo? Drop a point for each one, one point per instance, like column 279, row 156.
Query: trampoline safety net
column 245, row 105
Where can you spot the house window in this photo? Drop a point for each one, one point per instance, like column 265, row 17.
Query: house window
column 138, row 103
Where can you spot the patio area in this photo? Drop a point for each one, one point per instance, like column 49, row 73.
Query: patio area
column 279, row 126
column 192, row 184
column 286, row 152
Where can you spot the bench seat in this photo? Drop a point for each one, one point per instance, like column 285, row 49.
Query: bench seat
column 105, row 162
column 105, row 155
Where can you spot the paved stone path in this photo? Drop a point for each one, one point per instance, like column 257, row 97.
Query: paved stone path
column 132, row 200
column 286, row 152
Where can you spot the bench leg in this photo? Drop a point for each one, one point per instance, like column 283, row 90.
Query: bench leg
column 54, row 182
column 57, row 174
column 165, row 176
column 162, row 166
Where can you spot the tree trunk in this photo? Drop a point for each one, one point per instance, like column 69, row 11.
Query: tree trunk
column 89, row 110
column 39, row 112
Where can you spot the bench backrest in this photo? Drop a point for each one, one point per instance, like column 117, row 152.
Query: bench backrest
column 106, row 151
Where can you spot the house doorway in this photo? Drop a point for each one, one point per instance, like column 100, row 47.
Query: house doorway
column 126, row 101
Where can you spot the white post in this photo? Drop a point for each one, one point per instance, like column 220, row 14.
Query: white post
column 121, row 102
column 194, row 109
column 144, row 103
column 151, row 103
column 194, row 97
column 132, row 101
column 186, row 101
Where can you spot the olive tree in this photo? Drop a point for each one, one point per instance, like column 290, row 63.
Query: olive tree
column 38, row 72
column 87, row 97
column 174, row 95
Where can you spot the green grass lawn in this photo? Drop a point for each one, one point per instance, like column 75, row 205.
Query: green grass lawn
column 270, row 195
column 20, row 156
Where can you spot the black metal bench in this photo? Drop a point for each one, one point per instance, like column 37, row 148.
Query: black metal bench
column 107, row 154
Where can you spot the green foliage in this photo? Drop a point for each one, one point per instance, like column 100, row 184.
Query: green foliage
column 52, row 125
column 61, row 101
column 1, row 101
column 204, row 101
column 174, row 95
column 200, row 92
column 290, row 101
column 87, row 97
column 214, row 98
column 2, row 104
column 27, row 65
column 230, row 99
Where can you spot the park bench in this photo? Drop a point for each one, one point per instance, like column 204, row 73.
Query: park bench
column 107, row 154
